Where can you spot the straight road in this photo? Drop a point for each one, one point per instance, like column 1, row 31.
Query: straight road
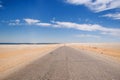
column 66, row 63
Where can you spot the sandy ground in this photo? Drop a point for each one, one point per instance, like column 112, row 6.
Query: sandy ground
column 110, row 49
column 66, row 63
column 13, row 57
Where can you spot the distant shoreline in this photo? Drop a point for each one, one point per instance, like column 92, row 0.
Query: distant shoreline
column 26, row 43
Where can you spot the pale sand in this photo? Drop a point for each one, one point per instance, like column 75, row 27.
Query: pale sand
column 14, row 57
column 110, row 49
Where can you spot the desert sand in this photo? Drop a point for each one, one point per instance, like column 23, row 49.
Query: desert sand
column 109, row 49
column 66, row 63
column 14, row 57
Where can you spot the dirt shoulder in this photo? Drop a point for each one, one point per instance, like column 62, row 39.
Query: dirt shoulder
column 110, row 49
column 13, row 57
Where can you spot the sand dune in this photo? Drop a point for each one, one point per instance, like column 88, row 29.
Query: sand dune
column 13, row 57
column 110, row 49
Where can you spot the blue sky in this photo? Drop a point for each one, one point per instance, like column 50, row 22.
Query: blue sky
column 59, row 21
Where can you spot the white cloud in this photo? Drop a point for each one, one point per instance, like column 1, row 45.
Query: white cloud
column 97, row 5
column 43, row 24
column 14, row 22
column 78, row 2
column 31, row 21
column 36, row 22
column 114, row 33
column 59, row 24
column 84, row 27
column 17, row 21
column 115, row 16
column 87, row 36
column 27, row 21
column 87, row 27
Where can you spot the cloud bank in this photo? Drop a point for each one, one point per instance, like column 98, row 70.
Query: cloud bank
column 115, row 16
column 14, row 22
column 87, row 36
column 96, row 5
column 77, row 26
column 88, row 27
column 31, row 21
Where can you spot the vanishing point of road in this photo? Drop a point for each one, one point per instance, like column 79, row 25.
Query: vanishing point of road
column 66, row 63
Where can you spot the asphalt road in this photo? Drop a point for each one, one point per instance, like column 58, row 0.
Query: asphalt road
column 66, row 63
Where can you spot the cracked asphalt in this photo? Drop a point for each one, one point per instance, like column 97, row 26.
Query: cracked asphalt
column 66, row 63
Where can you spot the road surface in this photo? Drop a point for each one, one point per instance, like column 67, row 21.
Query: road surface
column 66, row 63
